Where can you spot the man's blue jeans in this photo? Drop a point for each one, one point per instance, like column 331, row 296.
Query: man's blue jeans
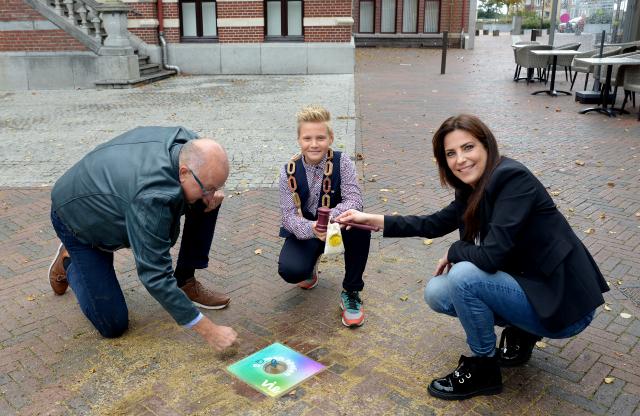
column 481, row 300
column 93, row 279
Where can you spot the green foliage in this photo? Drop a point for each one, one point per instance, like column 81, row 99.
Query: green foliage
column 600, row 16
column 534, row 23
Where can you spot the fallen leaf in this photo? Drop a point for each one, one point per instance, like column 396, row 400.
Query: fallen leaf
column 625, row 315
column 607, row 307
column 638, row 214
column 571, row 210
column 611, row 184
column 419, row 281
column 404, row 298
column 31, row 298
column 580, row 162
column 359, row 156
column 608, row 380
column 558, row 110
column 372, row 179
column 555, row 193
column 384, row 199
column 394, row 213
column 618, row 282
column 427, row 242
column 541, row 344
column 602, row 216
column 93, row 370
column 258, row 251
column 589, row 231
column 385, row 190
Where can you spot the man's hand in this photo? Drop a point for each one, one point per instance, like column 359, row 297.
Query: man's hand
column 213, row 201
column 443, row 266
column 319, row 235
column 218, row 336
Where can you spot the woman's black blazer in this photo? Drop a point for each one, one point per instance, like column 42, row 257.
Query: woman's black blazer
column 522, row 233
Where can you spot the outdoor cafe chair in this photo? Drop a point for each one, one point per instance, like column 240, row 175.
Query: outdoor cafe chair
column 566, row 61
column 527, row 60
column 631, row 84
column 618, row 74
column 587, row 69
column 520, row 42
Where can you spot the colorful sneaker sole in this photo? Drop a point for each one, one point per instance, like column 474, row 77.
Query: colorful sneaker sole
column 309, row 283
column 351, row 322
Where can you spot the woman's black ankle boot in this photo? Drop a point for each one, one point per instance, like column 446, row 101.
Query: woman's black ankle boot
column 474, row 376
column 516, row 346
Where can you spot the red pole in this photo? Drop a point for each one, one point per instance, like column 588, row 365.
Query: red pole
column 160, row 14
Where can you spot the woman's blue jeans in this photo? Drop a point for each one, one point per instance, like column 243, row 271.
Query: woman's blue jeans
column 481, row 300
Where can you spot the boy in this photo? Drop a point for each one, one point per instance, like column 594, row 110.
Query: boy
column 321, row 177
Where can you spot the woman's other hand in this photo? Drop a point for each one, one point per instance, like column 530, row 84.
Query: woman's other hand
column 443, row 266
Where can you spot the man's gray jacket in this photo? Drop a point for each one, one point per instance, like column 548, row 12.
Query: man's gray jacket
column 126, row 193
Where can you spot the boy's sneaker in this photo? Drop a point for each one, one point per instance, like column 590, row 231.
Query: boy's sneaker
column 312, row 282
column 352, row 310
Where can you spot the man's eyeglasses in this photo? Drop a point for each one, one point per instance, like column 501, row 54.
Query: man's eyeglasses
column 205, row 191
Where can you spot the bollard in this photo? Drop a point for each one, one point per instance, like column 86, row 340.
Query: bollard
column 534, row 33
column 445, row 44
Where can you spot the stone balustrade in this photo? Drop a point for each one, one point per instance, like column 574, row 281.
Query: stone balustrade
column 105, row 23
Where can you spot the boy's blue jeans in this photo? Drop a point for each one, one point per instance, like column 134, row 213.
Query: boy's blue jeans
column 93, row 279
column 481, row 300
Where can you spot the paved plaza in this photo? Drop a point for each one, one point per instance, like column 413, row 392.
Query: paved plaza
column 52, row 361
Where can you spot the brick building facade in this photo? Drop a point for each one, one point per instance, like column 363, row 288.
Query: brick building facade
column 410, row 22
column 202, row 36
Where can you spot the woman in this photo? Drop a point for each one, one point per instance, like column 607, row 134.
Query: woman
column 517, row 264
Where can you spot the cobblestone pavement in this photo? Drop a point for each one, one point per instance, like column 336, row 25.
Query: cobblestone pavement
column 45, row 132
column 53, row 362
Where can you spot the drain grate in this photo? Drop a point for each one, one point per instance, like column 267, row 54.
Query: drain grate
column 632, row 293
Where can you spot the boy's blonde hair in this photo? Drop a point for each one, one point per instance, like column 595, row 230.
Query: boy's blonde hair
column 315, row 114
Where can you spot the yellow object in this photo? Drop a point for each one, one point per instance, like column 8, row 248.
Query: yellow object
column 335, row 240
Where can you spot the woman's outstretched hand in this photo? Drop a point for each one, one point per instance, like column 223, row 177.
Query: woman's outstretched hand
column 443, row 266
column 358, row 217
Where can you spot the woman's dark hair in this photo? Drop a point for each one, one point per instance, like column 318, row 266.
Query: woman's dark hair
column 479, row 130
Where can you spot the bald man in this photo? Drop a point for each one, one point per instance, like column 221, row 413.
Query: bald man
column 131, row 192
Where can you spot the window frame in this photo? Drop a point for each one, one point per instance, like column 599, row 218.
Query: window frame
column 373, row 26
column 284, row 23
column 199, row 23
column 395, row 18
column 417, row 15
column 424, row 17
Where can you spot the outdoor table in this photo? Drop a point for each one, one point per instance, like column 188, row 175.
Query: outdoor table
column 555, row 53
column 610, row 61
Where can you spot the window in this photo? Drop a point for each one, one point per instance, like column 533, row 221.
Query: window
column 198, row 20
column 431, row 16
column 283, row 19
column 388, row 16
column 410, row 16
column 367, row 12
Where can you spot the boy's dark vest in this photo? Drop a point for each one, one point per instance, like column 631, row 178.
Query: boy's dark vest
column 303, row 189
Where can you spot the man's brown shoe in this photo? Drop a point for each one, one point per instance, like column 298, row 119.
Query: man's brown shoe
column 57, row 273
column 203, row 297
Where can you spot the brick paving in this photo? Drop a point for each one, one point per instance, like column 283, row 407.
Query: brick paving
column 53, row 362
